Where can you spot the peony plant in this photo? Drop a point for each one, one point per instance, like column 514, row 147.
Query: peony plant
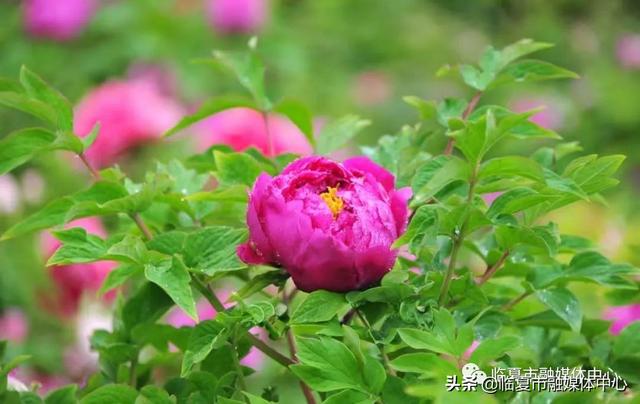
column 369, row 280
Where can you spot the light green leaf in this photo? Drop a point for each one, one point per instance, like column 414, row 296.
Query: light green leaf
column 205, row 337
column 532, row 70
column 111, row 393
column 318, row 307
column 234, row 168
column 454, row 169
column 299, row 114
column 426, row 109
column 511, row 166
column 153, row 395
column 63, row 395
column 349, row 396
column 23, row 145
column 521, row 48
column 423, row 363
column 627, row 344
column 38, row 89
column 172, row 276
column 249, row 70
column 450, row 108
column 564, row 304
column 491, row 349
column 336, row 134
column 26, row 104
column 77, row 247
column 207, row 109
column 418, row 339
column 119, row 276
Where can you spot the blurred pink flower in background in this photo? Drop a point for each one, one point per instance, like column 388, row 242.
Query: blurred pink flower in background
column 75, row 280
column 178, row 318
column 237, row 16
column 551, row 117
column 628, row 51
column 57, row 19
column 130, row 113
column 371, row 88
column 622, row 316
column 13, row 325
column 32, row 185
column 79, row 359
column 490, row 197
column 9, row 194
column 241, row 128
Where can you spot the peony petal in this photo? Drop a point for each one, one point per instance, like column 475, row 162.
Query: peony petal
column 373, row 264
column 365, row 165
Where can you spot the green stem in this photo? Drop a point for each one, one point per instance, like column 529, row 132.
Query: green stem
column 470, row 107
column 458, row 240
column 383, row 354
column 236, row 362
column 508, row 306
column 132, row 371
column 211, row 297
column 493, row 268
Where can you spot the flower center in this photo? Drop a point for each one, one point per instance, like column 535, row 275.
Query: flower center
column 333, row 201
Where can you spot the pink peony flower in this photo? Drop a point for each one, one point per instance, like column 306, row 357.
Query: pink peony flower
column 329, row 225
column 13, row 325
column 241, row 128
column 628, row 51
column 237, row 16
column 622, row 316
column 178, row 318
column 73, row 281
column 551, row 117
column 130, row 114
column 60, row 20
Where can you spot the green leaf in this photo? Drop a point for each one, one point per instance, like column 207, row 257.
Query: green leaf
column 207, row 109
column 511, row 166
column 205, row 337
column 454, row 169
column 564, row 304
column 172, row 276
column 516, row 200
column 510, row 236
column 349, row 396
column 63, row 395
column 424, row 218
column 23, row 145
column 88, row 140
column 300, row 115
column 450, row 108
column 255, row 399
column 318, row 307
column 426, row 109
column 336, row 134
column 77, row 247
column 249, row 71
column 210, row 250
column 147, row 305
column 234, row 168
column 327, row 365
column 521, row 48
column 627, row 344
column 427, row 364
column 41, row 91
column 418, row 339
column 491, row 349
column 130, row 249
column 374, row 374
column 153, row 395
column 119, row 276
column 111, row 393
column 24, row 103
column 532, row 70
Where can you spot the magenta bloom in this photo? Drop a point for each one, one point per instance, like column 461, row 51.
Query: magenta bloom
column 178, row 318
column 13, row 325
column 130, row 113
column 329, row 225
column 628, row 51
column 241, row 128
column 57, row 19
column 622, row 316
column 237, row 16
column 73, row 281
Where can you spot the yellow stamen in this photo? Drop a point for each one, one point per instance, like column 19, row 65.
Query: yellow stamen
column 333, row 201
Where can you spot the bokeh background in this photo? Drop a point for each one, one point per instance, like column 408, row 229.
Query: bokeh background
column 338, row 57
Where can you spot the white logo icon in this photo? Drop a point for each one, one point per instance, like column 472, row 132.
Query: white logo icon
column 471, row 374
